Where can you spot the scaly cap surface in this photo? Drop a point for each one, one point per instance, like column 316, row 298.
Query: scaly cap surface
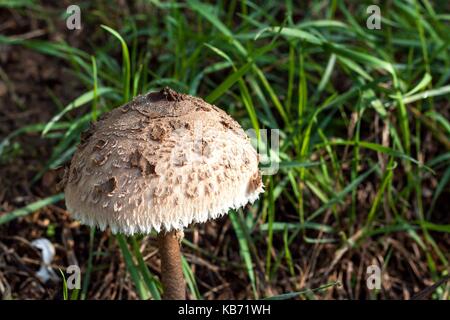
column 162, row 161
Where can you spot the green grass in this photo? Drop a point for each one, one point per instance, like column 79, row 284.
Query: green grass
column 354, row 107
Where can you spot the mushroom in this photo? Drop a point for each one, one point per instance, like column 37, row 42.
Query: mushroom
column 161, row 162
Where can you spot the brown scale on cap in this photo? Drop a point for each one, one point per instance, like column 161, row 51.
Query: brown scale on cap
column 137, row 160
column 172, row 95
column 108, row 186
column 99, row 159
column 255, row 182
column 158, row 132
column 161, row 162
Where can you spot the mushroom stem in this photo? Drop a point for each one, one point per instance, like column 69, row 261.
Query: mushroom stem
column 171, row 271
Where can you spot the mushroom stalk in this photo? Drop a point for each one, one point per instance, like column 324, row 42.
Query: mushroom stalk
column 171, row 271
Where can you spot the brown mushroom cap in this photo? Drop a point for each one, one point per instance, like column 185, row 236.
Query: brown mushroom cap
column 162, row 161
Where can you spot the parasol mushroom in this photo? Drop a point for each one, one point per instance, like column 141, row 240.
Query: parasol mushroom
column 161, row 162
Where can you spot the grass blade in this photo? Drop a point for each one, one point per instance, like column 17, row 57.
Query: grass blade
column 244, row 249
column 32, row 207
